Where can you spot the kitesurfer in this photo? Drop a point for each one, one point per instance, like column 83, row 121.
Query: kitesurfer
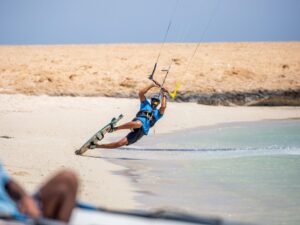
column 147, row 116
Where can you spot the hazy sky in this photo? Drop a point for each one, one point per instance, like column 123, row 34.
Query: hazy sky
column 123, row 21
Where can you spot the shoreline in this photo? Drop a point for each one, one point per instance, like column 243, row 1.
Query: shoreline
column 288, row 97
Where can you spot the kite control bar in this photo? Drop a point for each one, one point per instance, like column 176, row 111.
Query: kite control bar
column 161, row 85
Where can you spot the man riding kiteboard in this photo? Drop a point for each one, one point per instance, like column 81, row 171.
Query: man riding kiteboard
column 144, row 120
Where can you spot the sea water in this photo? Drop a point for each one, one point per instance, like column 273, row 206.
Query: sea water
column 248, row 172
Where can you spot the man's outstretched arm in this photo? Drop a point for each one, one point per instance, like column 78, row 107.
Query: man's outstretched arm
column 144, row 91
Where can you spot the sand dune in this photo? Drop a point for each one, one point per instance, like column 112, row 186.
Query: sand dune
column 119, row 70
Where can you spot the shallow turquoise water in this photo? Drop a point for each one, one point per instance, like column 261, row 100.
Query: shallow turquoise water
column 246, row 172
column 265, row 134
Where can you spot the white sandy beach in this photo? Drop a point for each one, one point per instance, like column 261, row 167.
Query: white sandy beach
column 45, row 131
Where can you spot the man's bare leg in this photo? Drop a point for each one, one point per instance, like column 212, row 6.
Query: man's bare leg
column 112, row 145
column 130, row 125
column 58, row 196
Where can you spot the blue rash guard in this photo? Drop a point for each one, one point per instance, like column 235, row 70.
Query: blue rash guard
column 7, row 206
column 146, row 106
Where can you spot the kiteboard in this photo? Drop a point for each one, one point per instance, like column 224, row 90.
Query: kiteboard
column 98, row 136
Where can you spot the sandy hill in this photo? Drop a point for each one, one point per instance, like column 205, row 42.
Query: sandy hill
column 219, row 70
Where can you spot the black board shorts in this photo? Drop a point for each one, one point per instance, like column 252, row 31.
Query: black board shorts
column 135, row 135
